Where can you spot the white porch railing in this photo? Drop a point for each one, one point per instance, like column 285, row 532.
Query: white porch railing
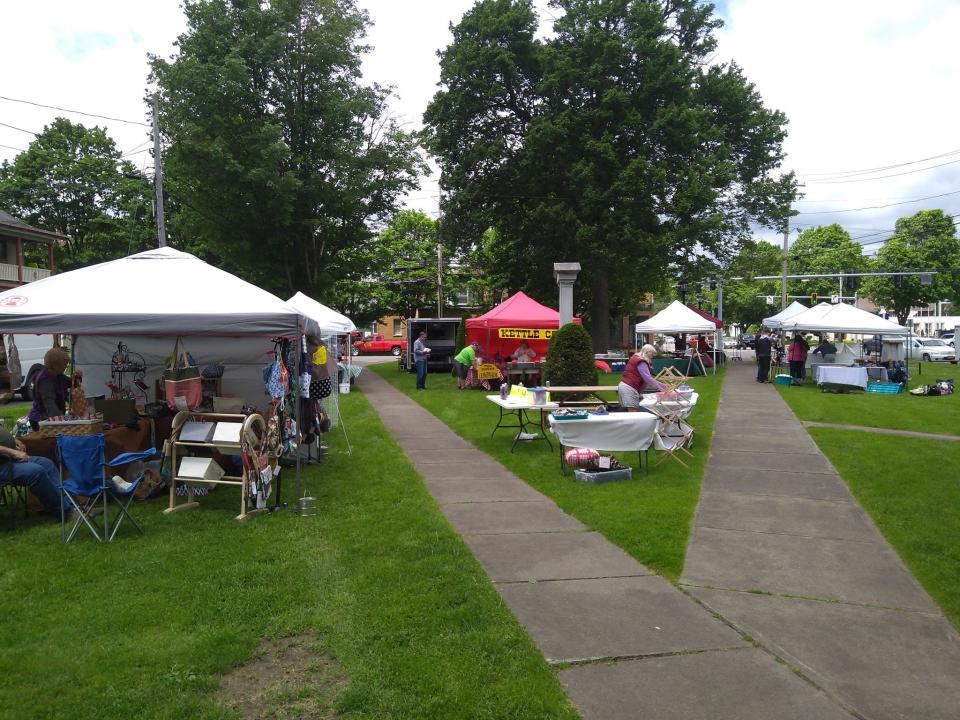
column 9, row 273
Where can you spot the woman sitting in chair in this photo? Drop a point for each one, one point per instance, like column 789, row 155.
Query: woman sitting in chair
column 51, row 388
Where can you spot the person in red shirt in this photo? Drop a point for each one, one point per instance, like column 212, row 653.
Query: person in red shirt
column 637, row 378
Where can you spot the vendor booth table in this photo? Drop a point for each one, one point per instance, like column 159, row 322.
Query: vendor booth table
column 522, row 373
column 840, row 375
column 521, row 407
column 623, row 431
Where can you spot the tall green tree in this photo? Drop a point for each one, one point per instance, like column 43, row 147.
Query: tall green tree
column 282, row 160
column 613, row 143
column 745, row 300
column 926, row 240
column 72, row 179
column 823, row 250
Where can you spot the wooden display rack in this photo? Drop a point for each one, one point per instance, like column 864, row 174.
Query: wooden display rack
column 254, row 427
column 674, row 432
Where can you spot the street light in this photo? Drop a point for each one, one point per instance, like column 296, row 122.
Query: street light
column 682, row 290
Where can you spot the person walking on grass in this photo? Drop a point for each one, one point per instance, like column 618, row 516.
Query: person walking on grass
column 421, row 354
column 764, row 350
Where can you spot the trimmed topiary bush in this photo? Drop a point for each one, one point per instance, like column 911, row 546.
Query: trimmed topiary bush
column 570, row 357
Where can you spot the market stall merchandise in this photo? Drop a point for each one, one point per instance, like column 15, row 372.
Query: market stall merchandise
column 144, row 302
column 521, row 407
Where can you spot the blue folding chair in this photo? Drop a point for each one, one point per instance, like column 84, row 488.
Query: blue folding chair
column 88, row 475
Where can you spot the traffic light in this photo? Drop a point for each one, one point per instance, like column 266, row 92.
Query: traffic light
column 852, row 282
column 813, row 298
column 898, row 282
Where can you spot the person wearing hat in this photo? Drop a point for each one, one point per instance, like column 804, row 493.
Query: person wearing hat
column 421, row 354
column 463, row 361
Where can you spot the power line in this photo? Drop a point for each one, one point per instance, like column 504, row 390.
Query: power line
column 881, row 177
column 879, row 207
column 76, row 112
column 882, row 167
column 11, row 147
column 14, row 127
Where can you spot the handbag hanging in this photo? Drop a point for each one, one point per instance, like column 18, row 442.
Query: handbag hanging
column 181, row 381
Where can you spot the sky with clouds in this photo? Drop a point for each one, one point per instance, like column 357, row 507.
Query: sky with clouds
column 869, row 87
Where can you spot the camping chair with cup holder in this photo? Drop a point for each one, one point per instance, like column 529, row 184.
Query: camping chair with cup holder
column 89, row 475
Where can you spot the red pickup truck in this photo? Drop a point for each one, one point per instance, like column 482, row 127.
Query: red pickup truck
column 377, row 344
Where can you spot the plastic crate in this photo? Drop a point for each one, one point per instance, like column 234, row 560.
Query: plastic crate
column 602, row 476
column 884, row 388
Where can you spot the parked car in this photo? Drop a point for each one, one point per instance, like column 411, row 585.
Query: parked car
column 747, row 340
column 947, row 337
column 730, row 343
column 931, row 350
column 379, row 344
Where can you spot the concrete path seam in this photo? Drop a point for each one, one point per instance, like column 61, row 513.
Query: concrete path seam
column 649, row 656
column 811, row 598
column 790, row 534
column 746, row 493
column 881, row 431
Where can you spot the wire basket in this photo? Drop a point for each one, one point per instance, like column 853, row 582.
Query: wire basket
column 52, row 428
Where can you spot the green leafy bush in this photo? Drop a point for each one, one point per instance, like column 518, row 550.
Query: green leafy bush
column 570, row 357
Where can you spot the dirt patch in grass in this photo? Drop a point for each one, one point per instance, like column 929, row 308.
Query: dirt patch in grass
column 290, row 677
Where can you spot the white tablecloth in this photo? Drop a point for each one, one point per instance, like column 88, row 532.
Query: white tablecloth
column 514, row 404
column 852, row 376
column 616, row 431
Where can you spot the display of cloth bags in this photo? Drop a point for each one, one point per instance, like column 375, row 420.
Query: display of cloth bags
column 181, row 380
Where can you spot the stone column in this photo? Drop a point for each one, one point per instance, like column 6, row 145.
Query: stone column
column 566, row 275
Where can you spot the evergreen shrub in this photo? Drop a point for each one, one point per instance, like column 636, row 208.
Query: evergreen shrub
column 570, row 357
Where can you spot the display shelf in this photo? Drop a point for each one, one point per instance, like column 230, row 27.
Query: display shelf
column 253, row 427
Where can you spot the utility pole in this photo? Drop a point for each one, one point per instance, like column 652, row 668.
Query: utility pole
column 783, row 283
column 158, row 173
column 439, row 280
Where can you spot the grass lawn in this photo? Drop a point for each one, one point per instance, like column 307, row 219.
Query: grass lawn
column 13, row 411
column 144, row 627
column 649, row 517
column 899, row 412
column 909, row 487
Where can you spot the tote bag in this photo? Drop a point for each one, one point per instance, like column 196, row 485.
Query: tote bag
column 182, row 387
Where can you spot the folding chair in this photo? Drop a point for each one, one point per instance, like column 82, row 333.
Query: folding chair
column 13, row 495
column 88, row 475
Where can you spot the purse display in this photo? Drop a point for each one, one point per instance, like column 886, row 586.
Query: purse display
column 182, row 387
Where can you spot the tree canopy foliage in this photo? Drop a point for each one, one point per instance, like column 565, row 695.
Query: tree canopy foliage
column 926, row 240
column 825, row 249
column 279, row 157
column 613, row 143
column 745, row 301
column 72, row 180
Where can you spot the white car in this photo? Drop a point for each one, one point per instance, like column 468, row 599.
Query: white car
column 931, row 350
column 947, row 337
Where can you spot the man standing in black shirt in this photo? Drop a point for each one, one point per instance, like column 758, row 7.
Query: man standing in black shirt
column 764, row 349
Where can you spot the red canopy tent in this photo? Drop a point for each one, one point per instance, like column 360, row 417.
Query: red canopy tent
column 517, row 318
column 707, row 316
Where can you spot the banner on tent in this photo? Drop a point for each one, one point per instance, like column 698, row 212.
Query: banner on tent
column 526, row 333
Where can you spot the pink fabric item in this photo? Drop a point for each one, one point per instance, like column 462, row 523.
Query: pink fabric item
column 580, row 457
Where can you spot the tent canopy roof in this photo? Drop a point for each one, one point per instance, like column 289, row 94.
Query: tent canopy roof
column 707, row 316
column 157, row 292
column 842, row 318
column 676, row 318
column 327, row 320
column 518, row 310
column 789, row 311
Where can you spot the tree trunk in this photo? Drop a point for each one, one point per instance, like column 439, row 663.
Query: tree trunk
column 600, row 313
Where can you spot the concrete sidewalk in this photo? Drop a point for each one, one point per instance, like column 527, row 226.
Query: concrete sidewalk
column 637, row 647
column 784, row 553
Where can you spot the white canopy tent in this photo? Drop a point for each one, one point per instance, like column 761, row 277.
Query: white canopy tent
column 775, row 322
column 145, row 301
column 328, row 320
column 677, row 318
column 841, row 318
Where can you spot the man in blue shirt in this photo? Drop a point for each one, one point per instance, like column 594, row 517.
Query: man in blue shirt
column 421, row 353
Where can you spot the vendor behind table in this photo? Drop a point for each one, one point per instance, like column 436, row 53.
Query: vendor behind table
column 524, row 353
column 637, row 378
column 51, row 389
